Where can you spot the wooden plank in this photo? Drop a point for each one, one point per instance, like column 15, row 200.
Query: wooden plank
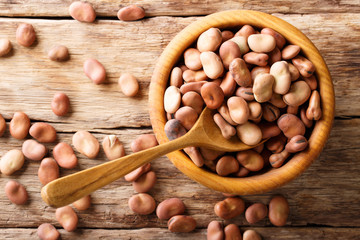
column 55, row 8
column 326, row 194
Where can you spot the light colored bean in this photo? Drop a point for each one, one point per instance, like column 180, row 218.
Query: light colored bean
column 194, row 76
column 48, row 171
column 16, row 192
column 172, row 99
column 274, row 56
column 291, row 125
column 174, row 129
column 232, row 232
column 228, row 51
column 212, row 64
column 258, row 59
column 294, row 72
column 250, row 159
column 229, row 208
column 195, row 155
column 94, row 70
column 278, row 211
column 5, row 46
column 249, row 133
column 143, row 142
column 227, row 165
column 67, row 218
column 134, row 175
column 142, row 203
column 277, row 159
column 255, row 213
column 263, row 87
column 215, row 231
column 276, row 144
column 251, row 235
column 65, row 156
column 269, row 129
column 228, row 85
column 58, row 53
column 238, row 109
column 43, row 132
column 176, row 77
column 170, row 207
column 226, row 35
column 25, row 34
column 131, row 13
column 181, row 224
column 311, row 81
column 2, row 125
column 19, row 125
column 242, row 44
column 60, row 104
column 82, row 11
column 255, row 110
column 226, row 129
column 280, row 40
column 245, row 31
column 46, row 231
column 33, row 150
column 212, row 94
column 192, row 59
column 270, row 112
column 296, row 144
column 290, row 51
column 83, row 203
column 187, row 116
column 12, row 161
column 224, row 112
column 292, row 110
column 194, row 100
column 85, row 143
column 298, row 94
column 192, row 86
column 314, row 112
column 240, row 72
column 261, row 43
column 129, row 85
column 259, row 70
column 305, row 66
column 209, row 40
column 277, row 101
column 145, row 182
column 308, row 123
column 113, row 148
column 281, row 73
column 210, row 154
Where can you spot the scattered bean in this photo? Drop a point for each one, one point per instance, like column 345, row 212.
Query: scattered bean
column 25, row 34
column 278, row 211
column 258, row 59
column 67, row 218
column 262, row 43
column 131, row 13
column 181, row 223
column 212, row 94
column 48, row 171
column 296, row 144
column 194, row 100
column 43, row 132
column 169, row 208
column 5, row 46
column 176, row 77
column 65, row 156
column 238, row 109
column 263, row 87
column 2, row 125
column 251, row 235
column 94, row 70
column 86, row 143
column 142, row 203
column 314, row 112
column 16, row 192
column 298, row 94
column 291, row 125
column 83, row 203
column 58, row 53
column 129, row 85
column 232, row 232
column 82, row 11
column 250, row 159
column 226, row 129
column 228, row 51
column 277, row 159
column 209, row 40
column 46, row 231
column 227, row 165
column 134, row 175
column 145, row 182
column 256, row 212
column 215, row 231
column 19, row 125
column 195, row 155
column 240, row 72
column 112, row 147
column 60, row 104
column 229, row 208
column 249, row 133
column 174, row 129
column 290, row 51
column 281, row 74
column 12, row 161
column 305, row 67
column 33, row 150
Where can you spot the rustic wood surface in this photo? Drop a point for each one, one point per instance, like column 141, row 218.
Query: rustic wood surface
column 324, row 201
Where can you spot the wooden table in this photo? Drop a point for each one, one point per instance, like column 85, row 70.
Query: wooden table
column 324, row 201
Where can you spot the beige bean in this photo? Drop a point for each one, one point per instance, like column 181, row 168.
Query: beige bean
column 292, row 110
column 258, row 59
column 194, row 100
column 131, row 13
column 113, row 148
column 274, row 56
column 280, row 40
column 298, row 94
column 67, row 218
column 278, row 211
column 192, row 86
column 16, row 192
column 228, row 85
column 33, row 150
column 255, row 110
column 229, row 208
column 143, row 142
column 85, row 143
column 238, row 109
column 210, row 154
column 232, row 232
column 224, row 112
column 290, row 51
column 194, row 76
column 142, row 203
column 19, row 125
column 2, row 125
column 251, row 235
column 46, row 231
column 145, row 182
column 242, row 44
column 281, row 73
column 263, row 87
column 215, row 231
column 12, row 161
column 172, row 99
column 195, row 155
column 305, row 66
column 60, row 104
column 82, row 11
column 296, row 144
column 270, row 112
column 245, row 31
column 176, row 77
column 187, row 116
column 311, row 81
column 243, row 172
column 58, row 53
column 259, row 70
column 226, row 129
column 181, row 224
column 226, row 35
column 134, row 175
column 25, row 34
column 250, row 159
column 294, row 72
column 228, row 51
column 212, row 64
column 261, row 43
column 256, row 212
column 43, row 132
column 227, row 165
column 5, row 46
column 277, row 101
column 276, row 144
column 212, row 94
column 209, row 40
column 314, row 112
column 192, row 59
column 240, row 72
column 129, row 85
column 277, row 159
column 174, row 129
column 83, row 203
column 48, row 171
column 269, row 129
column 65, row 156
column 94, row 70
column 170, row 207
column 249, row 133
column 291, row 125
column 308, row 123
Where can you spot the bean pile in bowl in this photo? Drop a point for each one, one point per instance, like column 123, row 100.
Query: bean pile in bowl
column 261, row 85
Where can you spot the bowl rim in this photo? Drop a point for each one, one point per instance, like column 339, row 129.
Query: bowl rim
column 273, row 178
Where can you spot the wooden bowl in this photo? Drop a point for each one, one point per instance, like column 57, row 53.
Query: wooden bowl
column 272, row 178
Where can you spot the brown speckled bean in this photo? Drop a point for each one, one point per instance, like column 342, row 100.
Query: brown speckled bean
column 290, row 51
column 194, row 100
column 181, row 224
column 229, row 208
column 25, row 34
column 261, row 43
column 83, row 203
column 280, row 72
column 192, row 86
column 172, row 99
column 46, row 231
column 94, row 70
column 82, row 11
column 232, row 232
column 33, row 150
column 19, row 125
column 269, row 129
column 129, row 85
column 176, row 77
column 134, row 175
column 192, row 59
column 256, row 212
column 16, row 192
column 270, row 112
column 131, row 13
column 296, row 144
column 249, row 133
column 277, row 159
column 298, row 94
column 250, row 159
column 60, row 104
column 58, row 53
column 238, row 109
column 305, row 67
column 278, row 211
column 291, row 125
column 228, row 51
column 251, row 235
column 113, row 148
column 227, row 165
column 226, row 129
column 142, row 203
column 11, row 161
column 240, row 72
column 170, row 207
column 187, row 116
column 5, row 46
column 43, row 132
column 263, row 87
column 228, row 85
column 67, row 218
column 212, row 65
column 212, row 94
column 314, row 112
column 65, row 156
column 48, row 171
column 258, row 59
column 2, row 125
column 215, row 231
column 209, row 40
column 145, row 182
column 86, row 143
column 195, row 155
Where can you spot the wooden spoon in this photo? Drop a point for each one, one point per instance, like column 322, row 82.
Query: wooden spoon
column 204, row 133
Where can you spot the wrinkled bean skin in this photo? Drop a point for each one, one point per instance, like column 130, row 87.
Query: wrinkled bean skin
column 131, row 13
column 276, row 144
column 308, row 123
column 240, row 72
column 227, row 165
column 170, row 207
column 314, row 112
column 142, row 203
column 298, row 94
column 16, row 192
column 19, row 125
column 82, row 11
column 246, row 93
column 215, row 231
column 228, row 85
column 129, row 85
column 277, row 159
column 67, row 218
column 174, row 129
column 226, row 129
column 238, row 109
column 229, row 50
column 25, row 34
column 255, row 110
column 291, row 125
column 12, row 161
column 86, row 144
column 259, row 70
column 290, row 51
column 263, row 87
column 294, row 72
column 2, row 125
column 258, row 59
column 113, row 148
column 256, row 212
column 278, row 211
column 270, row 112
column 305, row 67
column 246, row 31
column 296, row 144
column 145, row 182
column 65, row 156
column 58, row 53
column 192, row 59
column 143, row 142
column 192, row 86
column 242, row 44
column 229, row 208
column 60, row 104
column 269, row 129
column 251, row 235
column 94, row 70
column 172, row 99
column 194, row 100
column 33, row 150
column 311, row 81
column 43, row 132
column 48, row 171
column 212, row 94
column 224, row 112
column 46, row 231
column 83, row 203
column 212, row 65
column 187, row 117
column 5, row 46
column 134, row 175
column 176, row 77
column 209, row 40
column 181, row 224
column 226, row 35
column 249, row 133
column 262, row 43
column 232, row 232
column 195, row 155
column 281, row 73
column 250, row 159
column 277, row 101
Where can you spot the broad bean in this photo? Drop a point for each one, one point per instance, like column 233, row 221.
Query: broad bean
column 170, row 207
column 229, row 208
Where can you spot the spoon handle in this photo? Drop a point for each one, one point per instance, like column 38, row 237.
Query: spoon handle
column 68, row 189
